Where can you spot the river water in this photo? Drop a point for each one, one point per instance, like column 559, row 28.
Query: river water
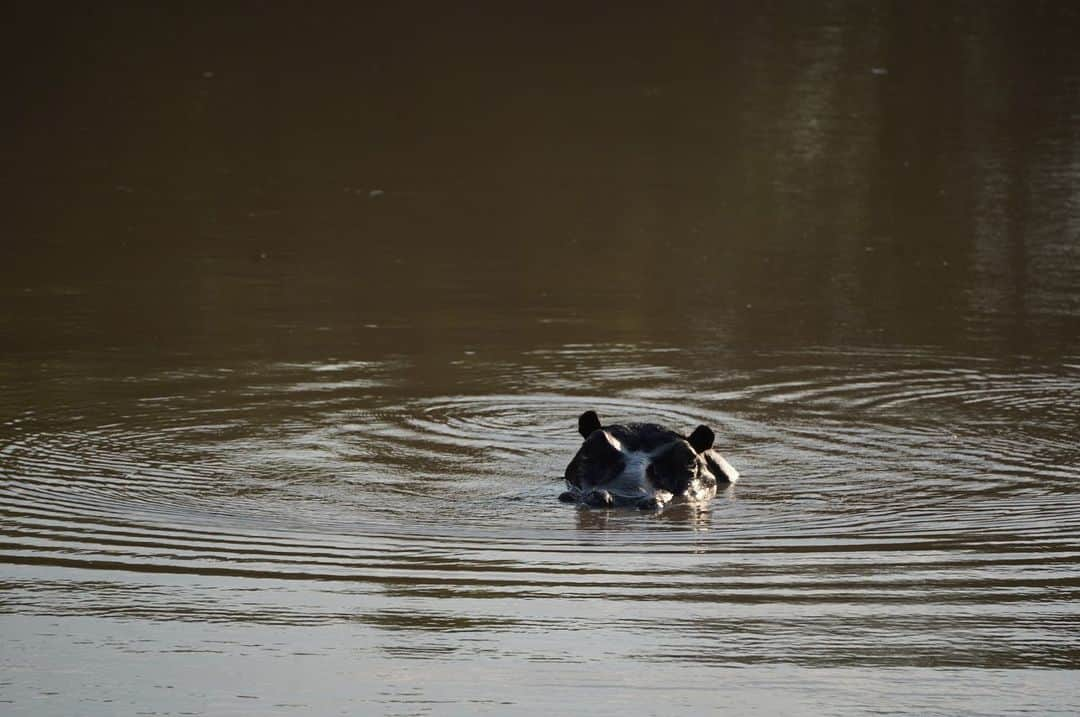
column 300, row 309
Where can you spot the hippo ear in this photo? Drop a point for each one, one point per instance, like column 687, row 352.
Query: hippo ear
column 701, row 439
column 587, row 423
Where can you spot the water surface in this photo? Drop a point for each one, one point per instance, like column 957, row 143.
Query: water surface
column 300, row 309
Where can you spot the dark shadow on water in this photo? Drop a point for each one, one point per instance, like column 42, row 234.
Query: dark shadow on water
column 680, row 515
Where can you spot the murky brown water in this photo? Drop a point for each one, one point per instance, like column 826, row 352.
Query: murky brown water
column 300, row 308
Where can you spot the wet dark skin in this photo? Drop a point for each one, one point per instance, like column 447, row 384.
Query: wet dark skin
column 676, row 465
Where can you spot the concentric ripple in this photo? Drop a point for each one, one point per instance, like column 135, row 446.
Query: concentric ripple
column 882, row 492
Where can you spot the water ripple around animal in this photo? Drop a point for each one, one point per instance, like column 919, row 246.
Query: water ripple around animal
column 956, row 481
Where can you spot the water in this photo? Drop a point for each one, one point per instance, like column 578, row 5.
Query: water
column 300, row 310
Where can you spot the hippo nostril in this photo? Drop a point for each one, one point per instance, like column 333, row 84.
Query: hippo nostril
column 598, row 498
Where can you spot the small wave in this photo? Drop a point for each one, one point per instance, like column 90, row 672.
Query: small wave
column 960, row 476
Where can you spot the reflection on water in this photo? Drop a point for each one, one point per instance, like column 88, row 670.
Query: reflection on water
column 903, row 510
column 788, row 176
column 302, row 309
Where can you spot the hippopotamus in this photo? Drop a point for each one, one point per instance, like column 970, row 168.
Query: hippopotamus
column 643, row 465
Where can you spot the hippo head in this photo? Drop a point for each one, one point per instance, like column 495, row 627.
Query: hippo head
column 642, row 464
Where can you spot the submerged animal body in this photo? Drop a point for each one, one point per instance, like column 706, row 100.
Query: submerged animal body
column 643, row 464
